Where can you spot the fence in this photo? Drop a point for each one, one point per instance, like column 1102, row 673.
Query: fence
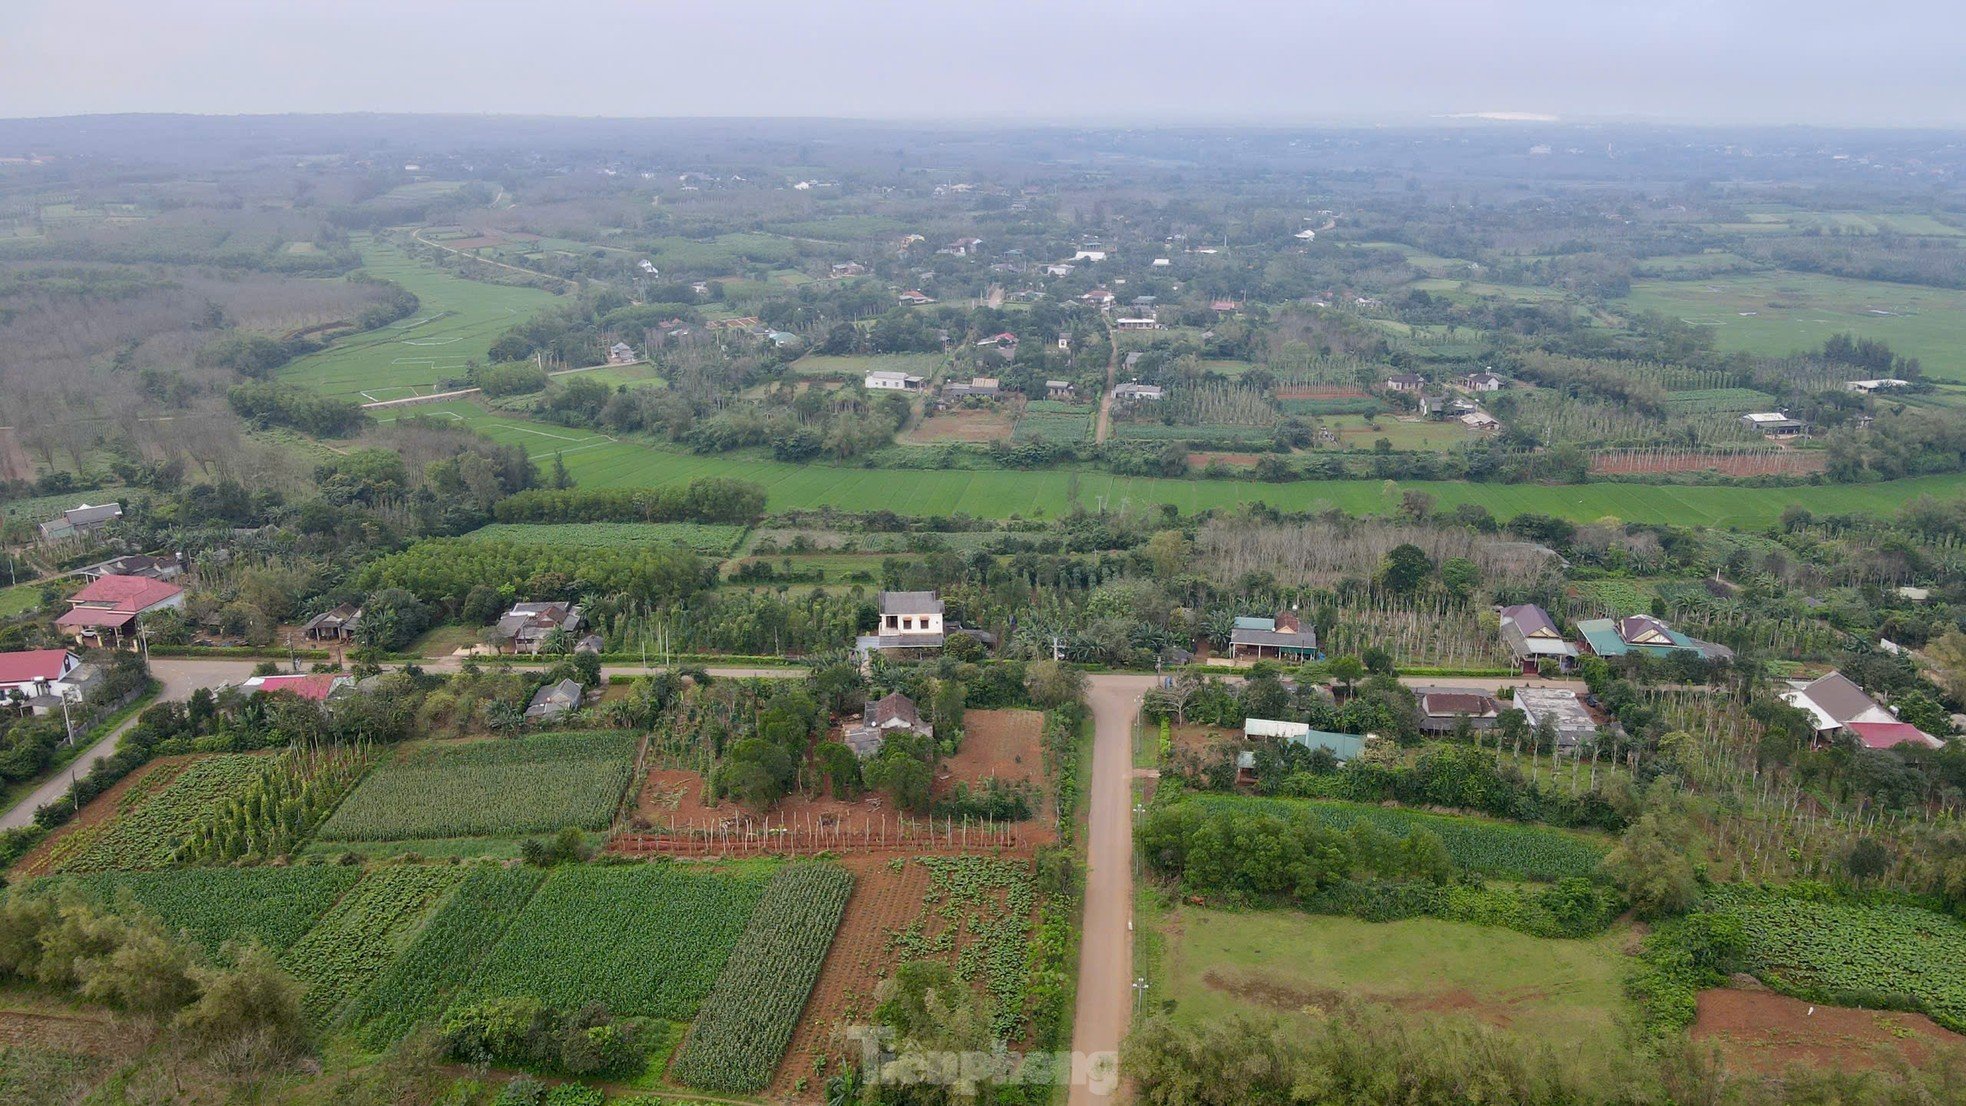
column 804, row 836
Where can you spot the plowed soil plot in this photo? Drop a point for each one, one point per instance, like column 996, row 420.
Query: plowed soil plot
column 76, row 834
column 1761, row 1031
column 67, row 1032
column 884, row 901
column 1002, row 744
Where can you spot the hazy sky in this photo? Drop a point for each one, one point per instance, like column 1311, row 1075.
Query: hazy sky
column 1783, row 61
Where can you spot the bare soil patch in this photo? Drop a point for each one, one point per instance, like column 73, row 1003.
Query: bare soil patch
column 1236, row 460
column 15, row 464
column 73, row 1032
column 78, row 831
column 1203, row 742
column 1764, row 1032
column 964, row 425
column 1000, row 744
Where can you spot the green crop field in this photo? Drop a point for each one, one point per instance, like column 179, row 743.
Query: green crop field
column 364, row 932
column 147, row 835
column 1217, row 963
column 274, row 906
column 457, row 321
column 1828, row 952
column 506, row 787
column 643, row 939
column 41, row 508
column 617, row 376
column 1480, row 845
column 702, row 537
column 440, row 960
column 748, row 1017
column 1730, row 400
column 1781, row 313
column 1355, row 432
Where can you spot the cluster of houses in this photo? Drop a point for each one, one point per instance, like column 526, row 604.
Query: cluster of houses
column 1465, row 409
column 1533, row 639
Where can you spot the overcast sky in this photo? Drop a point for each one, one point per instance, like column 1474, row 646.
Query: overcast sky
column 1891, row 62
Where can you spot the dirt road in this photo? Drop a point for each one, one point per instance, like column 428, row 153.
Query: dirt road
column 1105, row 998
column 1103, row 427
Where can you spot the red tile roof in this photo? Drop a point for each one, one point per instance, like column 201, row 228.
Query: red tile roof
column 127, row 594
column 307, row 685
column 1890, row 735
column 94, row 616
column 32, row 664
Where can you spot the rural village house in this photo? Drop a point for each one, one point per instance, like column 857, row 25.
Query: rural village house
column 1531, row 636
column 113, row 606
column 527, row 627
column 338, row 624
column 45, row 674
column 135, row 564
column 1566, row 712
column 1642, row 633
column 315, row 686
column 1282, row 637
column 1838, row 706
column 888, row 380
column 890, row 713
column 554, row 700
column 1443, row 708
column 79, row 521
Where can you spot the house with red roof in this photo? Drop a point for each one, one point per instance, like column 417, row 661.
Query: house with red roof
column 1836, row 705
column 315, row 686
column 33, row 673
column 108, row 610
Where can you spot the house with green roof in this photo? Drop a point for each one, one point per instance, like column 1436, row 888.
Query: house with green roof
column 1643, row 634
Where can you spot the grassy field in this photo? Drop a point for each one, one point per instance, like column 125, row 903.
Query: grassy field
column 1794, row 311
column 596, row 462
column 614, row 535
column 1216, row 963
column 617, row 376
column 1355, row 432
column 457, row 321
column 20, row 599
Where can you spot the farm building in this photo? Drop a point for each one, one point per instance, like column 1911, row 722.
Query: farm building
column 338, row 624
column 115, row 605
column 1281, row 637
column 1144, row 322
column 527, row 627
column 1480, row 420
column 554, row 700
column 1560, row 705
column 1443, row 708
column 1342, row 746
column 1138, row 392
column 1642, row 633
column 888, row 380
column 1872, row 387
column 1838, row 706
column 1773, row 424
column 1531, row 636
column 1058, row 389
column 135, row 564
column 316, row 686
column 979, row 387
column 81, row 520
column 889, row 714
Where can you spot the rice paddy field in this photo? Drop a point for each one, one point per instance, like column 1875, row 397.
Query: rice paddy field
column 597, row 462
column 1779, row 313
column 457, row 321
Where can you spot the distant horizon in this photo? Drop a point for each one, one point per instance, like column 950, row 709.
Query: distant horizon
column 1812, row 63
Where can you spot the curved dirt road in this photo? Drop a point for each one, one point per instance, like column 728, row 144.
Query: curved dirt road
column 1105, row 998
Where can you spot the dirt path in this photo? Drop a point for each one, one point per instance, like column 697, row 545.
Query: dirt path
column 1105, row 998
column 1104, row 428
column 418, row 236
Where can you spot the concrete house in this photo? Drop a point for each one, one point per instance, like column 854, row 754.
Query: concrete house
column 888, row 380
column 1839, row 706
column 621, row 353
column 1134, row 391
column 1406, row 382
column 1574, row 725
column 80, row 521
column 908, row 620
column 554, row 700
column 135, row 564
column 1773, row 424
column 317, row 687
column 1483, row 382
column 1642, row 633
column 338, row 624
column 1443, row 708
column 40, row 673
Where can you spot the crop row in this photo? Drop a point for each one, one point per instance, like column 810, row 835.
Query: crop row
column 491, row 789
column 416, row 985
column 701, row 537
column 272, row 814
column 360, row 936
column 995, row 901
column 743, row 1027
column 642, row 940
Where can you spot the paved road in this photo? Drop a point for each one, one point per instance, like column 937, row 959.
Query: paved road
column 1105, row 996
column 179, row 679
